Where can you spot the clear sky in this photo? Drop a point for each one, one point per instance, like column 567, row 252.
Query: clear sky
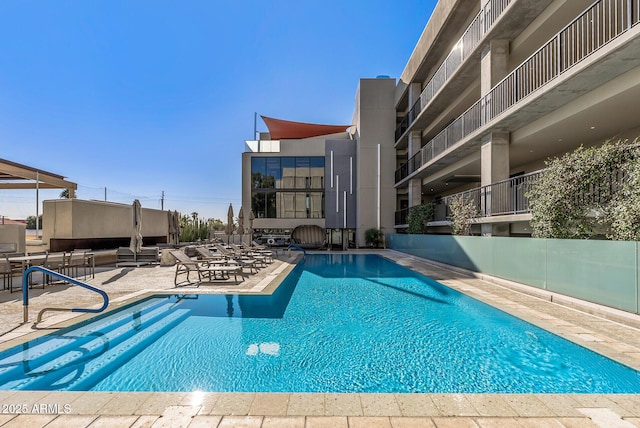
column 145, row 96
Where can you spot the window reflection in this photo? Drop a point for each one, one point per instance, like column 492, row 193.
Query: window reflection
column 287, row 187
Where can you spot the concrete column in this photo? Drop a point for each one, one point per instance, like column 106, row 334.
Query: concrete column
column 415, row 89
column 415, row 185
column 494, row 166
column 493, row 67
column 494, row 158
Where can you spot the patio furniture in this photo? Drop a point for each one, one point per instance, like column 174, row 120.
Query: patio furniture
column 147, row 255
column 240, row 258
column 77, row 260
column 205, row 254
column 186, row 265
column 259, row 258
column 7, row 270
column 56, row 262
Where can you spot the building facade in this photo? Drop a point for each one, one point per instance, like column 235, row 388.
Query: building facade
column 300, row 174
column 492, row 90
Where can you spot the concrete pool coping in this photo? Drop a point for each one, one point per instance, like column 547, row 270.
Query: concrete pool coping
column 613, row 338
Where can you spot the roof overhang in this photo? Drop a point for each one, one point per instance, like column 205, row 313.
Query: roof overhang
column 285, row 129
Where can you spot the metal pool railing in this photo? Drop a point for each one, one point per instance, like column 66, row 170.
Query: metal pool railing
column 25, row 293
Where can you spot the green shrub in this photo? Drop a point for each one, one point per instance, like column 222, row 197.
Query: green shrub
column 373, row 238
column 462, row 211
column 419, row 216
column 588, row 192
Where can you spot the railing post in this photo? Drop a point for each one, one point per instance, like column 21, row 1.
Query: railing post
column 25, row 295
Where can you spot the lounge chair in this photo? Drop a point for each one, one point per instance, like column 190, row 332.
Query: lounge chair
column 203, row 268
column 205, row 254
column 260, row 258
column 240, row 258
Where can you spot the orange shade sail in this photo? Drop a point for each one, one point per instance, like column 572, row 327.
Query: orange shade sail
column 285, row 129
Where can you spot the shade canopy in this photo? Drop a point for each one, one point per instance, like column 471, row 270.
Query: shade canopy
column 17, row 176
column 285, row 129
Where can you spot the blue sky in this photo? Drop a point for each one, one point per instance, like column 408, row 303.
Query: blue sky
column 146, row 96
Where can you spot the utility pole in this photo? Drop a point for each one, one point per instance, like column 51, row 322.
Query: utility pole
column 162, row 202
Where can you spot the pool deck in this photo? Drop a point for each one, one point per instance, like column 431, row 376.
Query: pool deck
column 609, row 332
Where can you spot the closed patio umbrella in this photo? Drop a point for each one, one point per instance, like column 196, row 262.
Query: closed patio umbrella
column 250, row 229
column 241, row 222
column 171, row 234
column 174, row 227
column 229, row 229
column 136, row 235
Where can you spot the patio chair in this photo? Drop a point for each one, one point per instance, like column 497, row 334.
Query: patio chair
column 7, row 270
column 37, row 262
column 240, row 258
column 56, row 262
column 186, row 265
column 77, row 260
column 205, row 254
column 259, row 258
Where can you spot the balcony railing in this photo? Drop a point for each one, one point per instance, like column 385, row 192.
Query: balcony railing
column 402, row 216
column 598, row 25
column 506, row 197
column 482, row 22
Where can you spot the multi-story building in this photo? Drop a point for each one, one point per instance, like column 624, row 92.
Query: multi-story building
column 331, row 178
column 492, row 90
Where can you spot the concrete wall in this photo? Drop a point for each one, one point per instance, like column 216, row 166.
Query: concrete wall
column 375, row 122
column 76, row 219
column 13, row 234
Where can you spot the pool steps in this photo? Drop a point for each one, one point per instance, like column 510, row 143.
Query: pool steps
column 55, row 346
column 124, row 335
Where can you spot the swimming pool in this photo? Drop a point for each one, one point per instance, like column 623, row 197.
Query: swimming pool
column 337, row 323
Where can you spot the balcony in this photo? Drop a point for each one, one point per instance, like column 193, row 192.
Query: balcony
column 596, row 27
column 506, row 197
column 488, row 14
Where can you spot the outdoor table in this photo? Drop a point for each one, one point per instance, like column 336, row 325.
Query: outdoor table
column 25, row 261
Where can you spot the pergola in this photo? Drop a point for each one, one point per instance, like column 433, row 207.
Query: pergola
column 15, row 176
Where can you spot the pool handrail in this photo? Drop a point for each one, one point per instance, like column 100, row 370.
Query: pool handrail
column 25, row 292
column 297, row 247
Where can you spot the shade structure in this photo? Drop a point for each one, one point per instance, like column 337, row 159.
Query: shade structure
column 240, row 230
column 136, row 234
column 229, row 229
column 285, row 129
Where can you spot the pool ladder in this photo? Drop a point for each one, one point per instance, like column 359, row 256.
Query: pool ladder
column 45, row 271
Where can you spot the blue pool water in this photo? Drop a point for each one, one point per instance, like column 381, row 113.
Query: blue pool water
column 338, row 323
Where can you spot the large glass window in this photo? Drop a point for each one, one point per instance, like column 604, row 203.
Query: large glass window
column 287, row 187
